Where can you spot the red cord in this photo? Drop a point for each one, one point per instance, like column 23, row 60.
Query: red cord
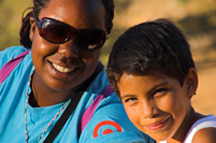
column 191, row 123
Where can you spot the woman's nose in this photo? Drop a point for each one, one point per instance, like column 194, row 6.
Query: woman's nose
column 68, row 49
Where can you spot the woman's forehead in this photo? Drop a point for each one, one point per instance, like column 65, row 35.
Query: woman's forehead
column 77, row 13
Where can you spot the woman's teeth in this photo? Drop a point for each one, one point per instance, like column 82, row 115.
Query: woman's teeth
column 62, row 69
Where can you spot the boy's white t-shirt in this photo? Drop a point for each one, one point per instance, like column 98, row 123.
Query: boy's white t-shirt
column 206, row 122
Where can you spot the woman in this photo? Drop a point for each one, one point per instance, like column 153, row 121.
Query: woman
column 61, row 77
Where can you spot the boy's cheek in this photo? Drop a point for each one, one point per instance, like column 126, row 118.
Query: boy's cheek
column 133, row 114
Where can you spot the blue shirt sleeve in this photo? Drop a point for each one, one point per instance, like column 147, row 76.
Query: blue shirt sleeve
column 110, row 124
column 10, row 53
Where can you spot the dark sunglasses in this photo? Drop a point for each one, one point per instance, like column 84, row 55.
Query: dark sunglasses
column 58, row 32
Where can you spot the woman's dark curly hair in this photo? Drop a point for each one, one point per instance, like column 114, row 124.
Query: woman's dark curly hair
column 40, row 4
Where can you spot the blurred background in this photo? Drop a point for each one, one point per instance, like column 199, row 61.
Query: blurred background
column 196, row 18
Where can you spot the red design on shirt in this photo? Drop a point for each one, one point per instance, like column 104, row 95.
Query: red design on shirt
column 108, row 130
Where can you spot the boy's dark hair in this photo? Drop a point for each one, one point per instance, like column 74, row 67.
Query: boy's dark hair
column 148, row 47
column 41, row 4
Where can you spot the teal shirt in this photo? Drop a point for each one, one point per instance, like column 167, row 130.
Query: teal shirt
column 12, row 104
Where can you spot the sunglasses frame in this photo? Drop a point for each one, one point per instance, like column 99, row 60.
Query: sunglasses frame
column 73, row 34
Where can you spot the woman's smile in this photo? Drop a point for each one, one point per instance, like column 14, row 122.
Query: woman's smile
column 62, row 69
column 62, row 72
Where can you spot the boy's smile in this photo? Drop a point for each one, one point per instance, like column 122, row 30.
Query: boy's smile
column 155, row 103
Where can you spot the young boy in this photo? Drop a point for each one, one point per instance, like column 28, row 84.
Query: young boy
column 152, row 71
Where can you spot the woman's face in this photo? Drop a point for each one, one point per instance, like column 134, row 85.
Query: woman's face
column 156, row 103
column 65, row 66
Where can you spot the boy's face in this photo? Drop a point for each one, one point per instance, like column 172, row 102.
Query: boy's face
column 155, row 103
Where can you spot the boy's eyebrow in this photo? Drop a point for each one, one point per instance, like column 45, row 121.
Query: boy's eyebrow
column 161, row 84
column 127, row 95
column 149, row 91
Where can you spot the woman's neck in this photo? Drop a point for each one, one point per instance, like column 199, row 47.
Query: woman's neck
column 42, row 95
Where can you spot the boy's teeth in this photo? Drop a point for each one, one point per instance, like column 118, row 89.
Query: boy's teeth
column 62, row 69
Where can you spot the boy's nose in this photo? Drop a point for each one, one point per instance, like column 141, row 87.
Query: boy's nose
column 68, row 49
column 148, row 109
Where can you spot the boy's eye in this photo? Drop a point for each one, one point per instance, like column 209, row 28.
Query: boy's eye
column 160, row 92
column 130, row 100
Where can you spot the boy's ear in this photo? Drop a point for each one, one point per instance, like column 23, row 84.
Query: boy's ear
column 32, row 28
column 192, row 82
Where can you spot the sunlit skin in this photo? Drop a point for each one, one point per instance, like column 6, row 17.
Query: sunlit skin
column 49, row 85
column 158, row 105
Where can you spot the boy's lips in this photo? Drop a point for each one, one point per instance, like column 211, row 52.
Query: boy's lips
column 156, row 125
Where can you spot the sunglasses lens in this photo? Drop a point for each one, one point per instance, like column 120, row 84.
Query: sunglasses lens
column 58, row 32
column 91, row 39
column 54, row 32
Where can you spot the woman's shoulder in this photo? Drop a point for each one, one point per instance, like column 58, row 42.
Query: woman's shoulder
column 14, row 50
column 10, row 53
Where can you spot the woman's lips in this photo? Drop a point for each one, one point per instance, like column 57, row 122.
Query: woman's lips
column 62, row 69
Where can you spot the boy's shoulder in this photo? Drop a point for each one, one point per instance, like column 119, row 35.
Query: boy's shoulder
column 203, row 130
column 205, row 135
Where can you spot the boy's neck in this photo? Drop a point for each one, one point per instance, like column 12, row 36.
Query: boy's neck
column 182, row 131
